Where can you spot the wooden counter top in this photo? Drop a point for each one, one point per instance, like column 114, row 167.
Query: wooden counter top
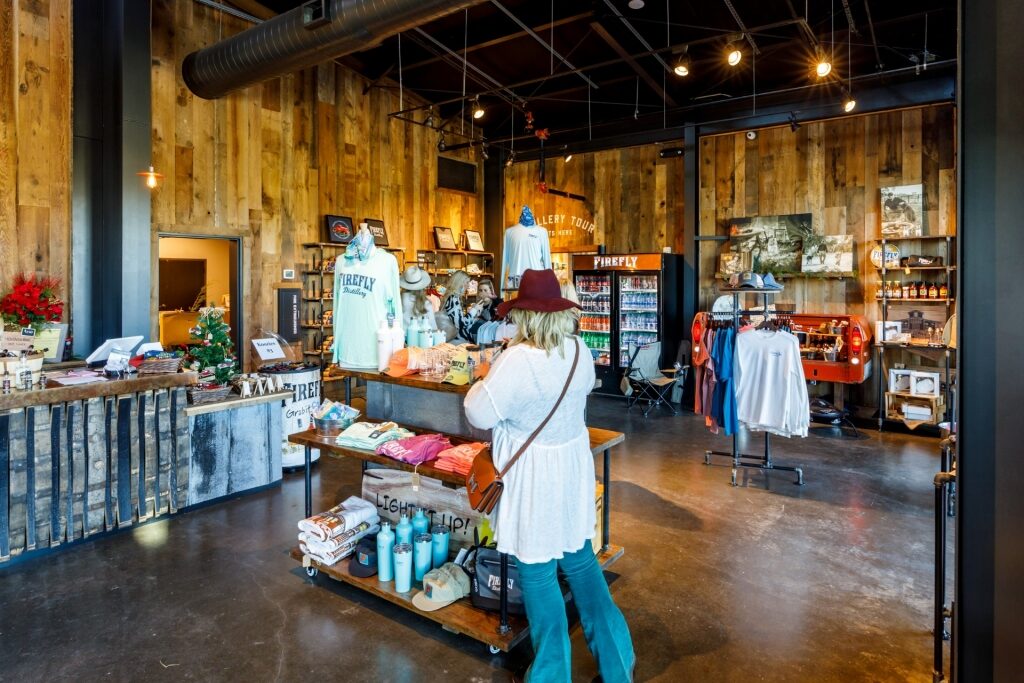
column 236, row 401
column 339, row 374
column 56, row 393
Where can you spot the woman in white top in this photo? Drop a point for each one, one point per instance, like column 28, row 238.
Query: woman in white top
column 462, row 320
column 545, row 518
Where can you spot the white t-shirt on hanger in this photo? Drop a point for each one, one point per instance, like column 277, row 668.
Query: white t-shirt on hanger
column 361, row 293
column 771, row 391
column 524, row 248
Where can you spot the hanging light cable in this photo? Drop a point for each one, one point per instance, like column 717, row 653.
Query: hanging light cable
column 848, row 102
column 152, row 177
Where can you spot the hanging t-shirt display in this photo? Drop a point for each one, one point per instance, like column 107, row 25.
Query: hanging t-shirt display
column 526, row 247
column 365, row 291
column 771, row 393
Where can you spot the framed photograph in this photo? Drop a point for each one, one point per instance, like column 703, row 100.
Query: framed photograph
column 376, row 228
column 733, row 262
column 902, row 211
column 773, row 243
column 827, row 254
column 340, row 229
column 473, row 240
column 444, row 238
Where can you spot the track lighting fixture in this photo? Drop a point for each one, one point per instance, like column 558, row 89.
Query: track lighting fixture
column 429, row 121
column 483, row 151
column 733, row 54
column 636, row 4
column 478, row 111
column 511, row 159
column 848, row 102
column 441, row 144
column 822, row 65
column 682, row 65
column 568, row 157
column 794, row 125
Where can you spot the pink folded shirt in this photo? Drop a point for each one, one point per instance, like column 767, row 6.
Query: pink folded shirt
column 415, row 450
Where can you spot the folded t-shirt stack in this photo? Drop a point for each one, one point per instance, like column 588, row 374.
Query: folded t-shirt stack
column 368, row 435
column 460, row 458
column 329, row 536
column 415, row 450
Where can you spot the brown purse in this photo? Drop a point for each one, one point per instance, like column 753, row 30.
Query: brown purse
column 484, row 482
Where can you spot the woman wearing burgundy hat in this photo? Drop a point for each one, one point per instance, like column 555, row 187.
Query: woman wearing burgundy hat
column 545, row 518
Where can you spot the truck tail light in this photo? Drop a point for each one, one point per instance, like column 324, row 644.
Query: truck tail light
column 856, row 342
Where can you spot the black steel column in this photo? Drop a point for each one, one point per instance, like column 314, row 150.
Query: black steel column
column 112, row 142
column 989, row 608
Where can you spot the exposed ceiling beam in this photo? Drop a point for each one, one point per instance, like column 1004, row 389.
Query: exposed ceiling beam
column 536, row 36
column 874, row 40
column 626, row 57
column 636, row 34
column 804, row 26
column 501, row 40
column 739, row 22
column 487, row 81
column 254, row 8
column 849, row 18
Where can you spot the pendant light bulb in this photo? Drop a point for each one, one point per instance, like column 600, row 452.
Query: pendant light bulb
column 511, row 159
column 441, row 144
column 682, row 67
column 848, row 102
column 478, row 111
column 733, row 54
column 636, row 4
column 152, row 177
column 822, row 65
column 568, row 157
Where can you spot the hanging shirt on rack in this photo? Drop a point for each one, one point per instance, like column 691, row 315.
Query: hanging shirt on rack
column 771, row 390
column 526, row 247
column 699, row 356
column 364, row 282
column 723, row 409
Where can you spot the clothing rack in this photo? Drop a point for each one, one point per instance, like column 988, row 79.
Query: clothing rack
column 759, row 462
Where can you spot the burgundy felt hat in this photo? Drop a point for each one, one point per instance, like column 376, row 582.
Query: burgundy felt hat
column 538, row 291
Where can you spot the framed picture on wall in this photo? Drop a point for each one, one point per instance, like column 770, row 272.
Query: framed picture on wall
column 376, row 228
column 339, row 229
column 444, row 238
column 902, row 211
column 473, row 240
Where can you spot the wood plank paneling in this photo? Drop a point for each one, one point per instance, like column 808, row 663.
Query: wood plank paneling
column 266, row 163
column 35, row 134
column 634, row 199
column 833, row 170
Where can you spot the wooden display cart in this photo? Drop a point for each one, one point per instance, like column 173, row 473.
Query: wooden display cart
column 499, row 631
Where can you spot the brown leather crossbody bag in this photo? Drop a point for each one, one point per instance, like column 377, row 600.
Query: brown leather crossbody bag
column 484, row 482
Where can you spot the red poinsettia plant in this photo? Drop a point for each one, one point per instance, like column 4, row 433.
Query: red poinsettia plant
column 32, row 302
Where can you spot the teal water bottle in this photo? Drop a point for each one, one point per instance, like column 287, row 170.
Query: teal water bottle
column 403, row 532
column 422, row 555
column 385, row 544
column 439, row 533
column 412, row 335
column 403, row 567
column 420, row 523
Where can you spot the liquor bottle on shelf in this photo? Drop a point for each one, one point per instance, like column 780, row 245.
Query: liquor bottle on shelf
column 933, row 291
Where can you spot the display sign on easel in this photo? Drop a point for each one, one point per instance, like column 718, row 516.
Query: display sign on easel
column 268, row 349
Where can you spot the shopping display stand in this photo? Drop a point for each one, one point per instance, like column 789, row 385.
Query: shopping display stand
column 499, row 631
column 749, row 460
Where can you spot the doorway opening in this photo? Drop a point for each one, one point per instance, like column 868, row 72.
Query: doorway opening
column 195, row 272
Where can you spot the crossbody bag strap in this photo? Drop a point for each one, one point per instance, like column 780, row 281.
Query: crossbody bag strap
column 565, row 389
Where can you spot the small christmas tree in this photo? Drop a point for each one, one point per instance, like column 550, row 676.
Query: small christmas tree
column 210, row 354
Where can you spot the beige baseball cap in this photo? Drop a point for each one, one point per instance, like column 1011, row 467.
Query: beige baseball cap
column 442, row 587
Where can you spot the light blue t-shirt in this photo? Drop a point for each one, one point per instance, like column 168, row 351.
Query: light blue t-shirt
column 361, row 293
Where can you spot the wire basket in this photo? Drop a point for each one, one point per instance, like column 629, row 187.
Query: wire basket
column 160, row 366
column 198, row 396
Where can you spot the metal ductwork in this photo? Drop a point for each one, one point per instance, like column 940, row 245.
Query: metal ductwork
column 313, row 33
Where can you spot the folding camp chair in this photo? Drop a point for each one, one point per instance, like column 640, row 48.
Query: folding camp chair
column 647, row 381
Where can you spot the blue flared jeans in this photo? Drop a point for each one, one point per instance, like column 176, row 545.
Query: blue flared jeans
column 603, row 624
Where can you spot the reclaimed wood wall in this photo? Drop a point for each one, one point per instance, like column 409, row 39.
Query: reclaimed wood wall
column 633, row 198
column 72, row 470
column 833, row 170
column 35, row 140
column 266, row 163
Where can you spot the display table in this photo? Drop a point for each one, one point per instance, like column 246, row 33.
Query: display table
column 76, row 461
column 501, row 632
column 235, row 445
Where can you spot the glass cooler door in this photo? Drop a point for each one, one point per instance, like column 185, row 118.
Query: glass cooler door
column 595, row 292
column 638, row 312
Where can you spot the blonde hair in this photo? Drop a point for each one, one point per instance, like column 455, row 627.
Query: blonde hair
column 569, row 292
column 541, row 329
column 456, row 286
column 420, row 305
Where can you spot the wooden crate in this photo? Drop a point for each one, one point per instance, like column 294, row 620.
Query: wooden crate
column 895, row 400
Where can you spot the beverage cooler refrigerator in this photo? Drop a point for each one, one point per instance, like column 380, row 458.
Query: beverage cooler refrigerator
column 628, row 300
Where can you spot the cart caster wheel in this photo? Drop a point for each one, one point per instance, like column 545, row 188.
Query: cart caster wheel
column 494, row 650
column 311, row 572
column 734, row 477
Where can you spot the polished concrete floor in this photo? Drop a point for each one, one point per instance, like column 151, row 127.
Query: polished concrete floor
column 767, row 581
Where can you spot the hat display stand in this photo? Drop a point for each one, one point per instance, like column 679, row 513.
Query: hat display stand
column 750, row 460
